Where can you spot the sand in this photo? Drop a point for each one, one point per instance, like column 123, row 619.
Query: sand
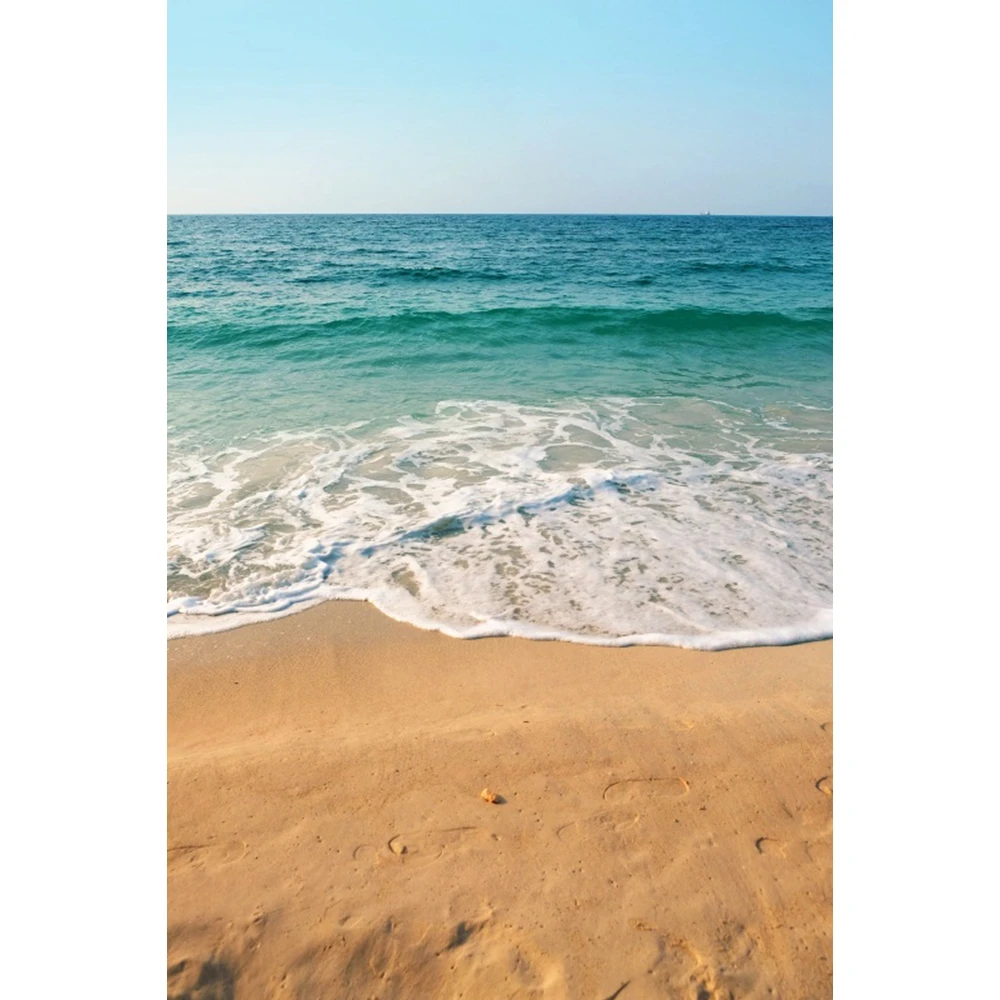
column 663, row 824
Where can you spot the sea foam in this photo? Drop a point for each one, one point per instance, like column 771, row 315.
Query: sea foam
column 670, row 521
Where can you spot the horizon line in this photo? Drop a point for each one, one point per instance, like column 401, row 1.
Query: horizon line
column 641, row 215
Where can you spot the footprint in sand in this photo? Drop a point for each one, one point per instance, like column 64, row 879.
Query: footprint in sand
column 610, row 826
column 770, row 846
column 643, row 789
column 424, row 847
column 194, row 980
column 679, row 969
column 793, row 852
column 477, row 956
column 202, row 856
column 820, row 852
column 626, row 798
column 366, row 853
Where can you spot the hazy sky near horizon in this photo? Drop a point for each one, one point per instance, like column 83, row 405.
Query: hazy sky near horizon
column 649, row 106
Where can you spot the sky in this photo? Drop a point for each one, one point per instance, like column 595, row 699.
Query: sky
column 619, row 106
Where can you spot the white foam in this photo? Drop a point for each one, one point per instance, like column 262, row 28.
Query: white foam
column 670, row 522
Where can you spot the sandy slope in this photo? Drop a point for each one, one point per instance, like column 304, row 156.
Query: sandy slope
column 666, row 830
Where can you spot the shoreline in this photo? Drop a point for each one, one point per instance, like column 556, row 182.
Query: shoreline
column 817, row 629
column 666, row 820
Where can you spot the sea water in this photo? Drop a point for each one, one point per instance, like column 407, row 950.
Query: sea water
column 603, row 429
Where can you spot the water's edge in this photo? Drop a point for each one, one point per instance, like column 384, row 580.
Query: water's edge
column 182, row 626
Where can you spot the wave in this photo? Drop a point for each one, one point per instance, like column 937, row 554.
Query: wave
column 816, row 629
column 584, row 521
column 745, row 267
column 443, row 273
column 417, row 274
column 527, row 322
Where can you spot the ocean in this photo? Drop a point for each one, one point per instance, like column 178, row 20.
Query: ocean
column 603, row 429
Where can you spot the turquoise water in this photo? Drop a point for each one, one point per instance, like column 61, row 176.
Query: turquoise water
column 606, row 429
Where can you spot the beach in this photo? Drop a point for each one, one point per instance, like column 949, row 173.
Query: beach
column 499, row 606
column 663, row 824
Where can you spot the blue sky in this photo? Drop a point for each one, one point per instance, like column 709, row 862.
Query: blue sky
column 550, row 106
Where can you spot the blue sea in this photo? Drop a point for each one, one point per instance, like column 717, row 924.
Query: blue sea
column 603, row 429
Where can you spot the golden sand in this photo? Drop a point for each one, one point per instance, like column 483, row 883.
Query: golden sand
column 661, row 827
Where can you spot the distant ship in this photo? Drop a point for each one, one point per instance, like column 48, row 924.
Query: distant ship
column 706, row 213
